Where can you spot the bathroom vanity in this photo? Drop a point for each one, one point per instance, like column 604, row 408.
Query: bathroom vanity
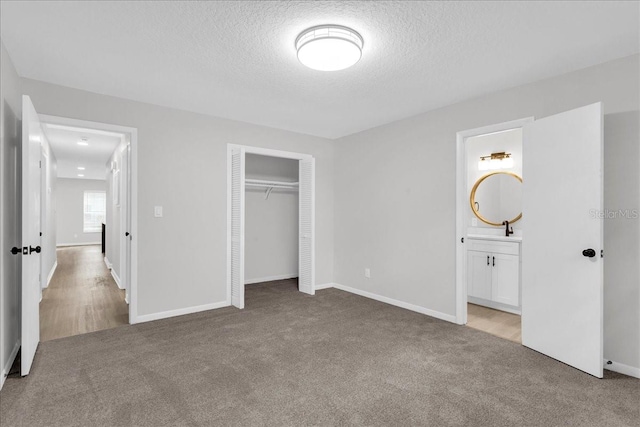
column 493, row 271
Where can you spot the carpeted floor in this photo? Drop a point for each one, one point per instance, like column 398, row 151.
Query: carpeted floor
column 294, row 359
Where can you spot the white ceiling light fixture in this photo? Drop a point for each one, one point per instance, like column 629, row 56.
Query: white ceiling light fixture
column 80, row 175
column 329, row 47
column 80, row 168
column 83, row 141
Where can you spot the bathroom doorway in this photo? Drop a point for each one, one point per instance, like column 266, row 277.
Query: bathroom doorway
column 493, row 229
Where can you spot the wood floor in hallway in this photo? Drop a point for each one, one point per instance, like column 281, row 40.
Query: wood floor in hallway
column 82, row 296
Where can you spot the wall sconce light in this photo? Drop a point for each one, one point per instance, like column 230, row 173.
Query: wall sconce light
column 499, row 160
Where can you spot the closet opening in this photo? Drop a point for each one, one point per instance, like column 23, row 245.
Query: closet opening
column 271, row 222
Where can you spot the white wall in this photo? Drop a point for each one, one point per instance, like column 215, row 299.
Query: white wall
column 182, row 167
column 48, row 256
column 10, row 202
column 112, row 238
column 70, row 211
column 484, row 145
column 271, row 225
column 395, row 195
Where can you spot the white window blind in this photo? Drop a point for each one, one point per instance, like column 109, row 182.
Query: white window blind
column 95, row 204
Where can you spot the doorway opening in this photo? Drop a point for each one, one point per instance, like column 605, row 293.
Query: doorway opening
column 271, row 220
column 85, row 205
column 490, row 226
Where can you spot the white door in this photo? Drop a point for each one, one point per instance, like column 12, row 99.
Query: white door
column 479, row 274
column 237, row 226
column 506, row 279
column 125, row 220
column 32, row 137
column 306, row 226
column 562, row 281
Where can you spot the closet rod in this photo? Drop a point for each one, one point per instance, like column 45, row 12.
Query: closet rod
column 263, row 183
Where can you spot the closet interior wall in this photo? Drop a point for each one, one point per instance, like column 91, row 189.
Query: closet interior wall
column 271, row 219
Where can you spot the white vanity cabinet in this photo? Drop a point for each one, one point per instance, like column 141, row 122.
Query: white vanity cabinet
column 493, row 274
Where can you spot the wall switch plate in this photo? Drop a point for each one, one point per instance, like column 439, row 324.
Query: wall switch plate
column 474, row 222
column 157, row 211
column 367, row 273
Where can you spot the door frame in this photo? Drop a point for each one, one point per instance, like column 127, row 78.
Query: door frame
column 262, row 152
column 132, row 134
column 461, row 204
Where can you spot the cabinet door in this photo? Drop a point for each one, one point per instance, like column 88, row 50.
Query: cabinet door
column 506, row 278
column 479, row 274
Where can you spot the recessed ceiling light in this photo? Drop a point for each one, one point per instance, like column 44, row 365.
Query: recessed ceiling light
column 83, row 141
column 80, row 175
column 329, row 47
column 80, row 168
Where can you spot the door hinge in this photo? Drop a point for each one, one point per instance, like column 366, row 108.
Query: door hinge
column 40, row 164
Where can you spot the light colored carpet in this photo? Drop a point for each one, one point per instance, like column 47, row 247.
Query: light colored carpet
column 294, row 359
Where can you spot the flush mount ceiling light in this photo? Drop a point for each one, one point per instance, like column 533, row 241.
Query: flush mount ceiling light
column 83, row 141
column 329, row 47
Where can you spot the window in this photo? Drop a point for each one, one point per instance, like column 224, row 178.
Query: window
column 95, row 206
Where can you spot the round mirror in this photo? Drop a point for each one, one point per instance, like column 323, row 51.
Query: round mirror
column 497, row 197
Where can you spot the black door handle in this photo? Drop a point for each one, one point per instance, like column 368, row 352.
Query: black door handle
column 589, row 253
column 16, row 251
column 494, row 261
column 126, row 234
column 37, row 249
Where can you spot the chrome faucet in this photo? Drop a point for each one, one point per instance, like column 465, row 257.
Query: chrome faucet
column 507, row 231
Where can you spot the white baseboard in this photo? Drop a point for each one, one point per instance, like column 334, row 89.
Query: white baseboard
column 7, row 365
column 397, row 303
column 50, row 275
column 116, row 278
column 107, row 262
column 62, row 245
column 180, row 312
column 325, row 286
column 271, row 278
column 623, row 369
column 495, row 305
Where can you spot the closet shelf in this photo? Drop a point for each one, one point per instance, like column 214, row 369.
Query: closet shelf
column 270, row 185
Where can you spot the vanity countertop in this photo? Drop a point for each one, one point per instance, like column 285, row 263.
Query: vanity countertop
column 516, row 239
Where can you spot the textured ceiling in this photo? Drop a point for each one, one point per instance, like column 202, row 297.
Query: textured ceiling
column 70, row 155
column 237, row 60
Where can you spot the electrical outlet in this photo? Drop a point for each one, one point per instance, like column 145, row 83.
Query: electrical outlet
column 157, row 211
column 474, row 222
column 367, row 273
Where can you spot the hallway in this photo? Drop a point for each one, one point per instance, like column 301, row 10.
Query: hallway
column 82, row 296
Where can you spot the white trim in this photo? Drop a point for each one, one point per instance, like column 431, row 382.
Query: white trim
column 622, row 369
column 107, row 263
column 180, row 312
column 116, row 278
column 50, row 275
column 271, row 153
column 64, row 245
column 494, row 305
column 7, row 366
column 325, row 286
column 133, row 209
column 271, row 278
column 397, row 303
column 461, row 203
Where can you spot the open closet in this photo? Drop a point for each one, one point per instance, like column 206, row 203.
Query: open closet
column 271, row 219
